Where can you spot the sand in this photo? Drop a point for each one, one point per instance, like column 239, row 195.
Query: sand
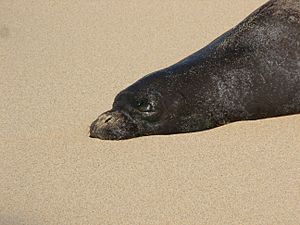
column 61, row 65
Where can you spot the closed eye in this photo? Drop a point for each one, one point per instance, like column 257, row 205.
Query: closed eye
column 144, row 106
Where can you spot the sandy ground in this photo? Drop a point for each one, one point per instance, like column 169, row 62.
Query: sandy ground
column 62, row 63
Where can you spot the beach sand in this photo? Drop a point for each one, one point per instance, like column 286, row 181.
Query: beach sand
column 61, row 65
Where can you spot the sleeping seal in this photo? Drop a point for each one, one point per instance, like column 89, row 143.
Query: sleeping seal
column 250, row 72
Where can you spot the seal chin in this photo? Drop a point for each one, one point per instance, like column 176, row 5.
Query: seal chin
column 113, row 125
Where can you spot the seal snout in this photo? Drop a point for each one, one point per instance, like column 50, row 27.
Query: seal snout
column 98, row 127
column 112, row 125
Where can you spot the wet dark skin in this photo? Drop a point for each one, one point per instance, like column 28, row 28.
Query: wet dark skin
column 250, row 72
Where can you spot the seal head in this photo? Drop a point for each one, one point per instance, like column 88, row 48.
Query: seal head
column 144, row 108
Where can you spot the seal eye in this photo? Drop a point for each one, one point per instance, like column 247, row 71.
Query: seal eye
column 144, row 106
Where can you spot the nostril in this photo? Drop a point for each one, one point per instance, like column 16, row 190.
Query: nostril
column 108, row 119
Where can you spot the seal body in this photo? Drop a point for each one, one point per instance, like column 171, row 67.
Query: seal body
column 250, row 72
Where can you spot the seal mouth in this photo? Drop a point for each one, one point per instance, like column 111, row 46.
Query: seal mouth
column 113, row 125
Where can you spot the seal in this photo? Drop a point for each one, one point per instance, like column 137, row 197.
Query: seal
column 250, row 72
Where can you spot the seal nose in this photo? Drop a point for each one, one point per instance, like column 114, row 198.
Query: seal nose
column 101, row 122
